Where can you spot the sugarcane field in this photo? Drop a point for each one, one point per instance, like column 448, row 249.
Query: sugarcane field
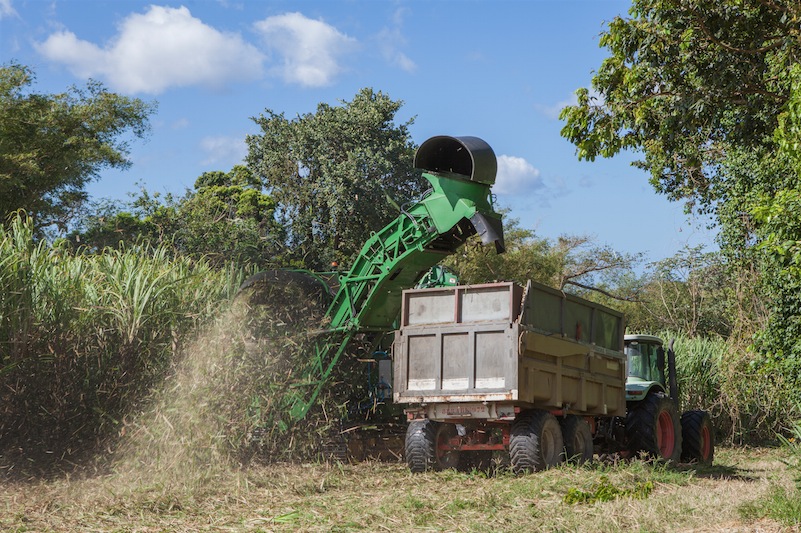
column 552, row 283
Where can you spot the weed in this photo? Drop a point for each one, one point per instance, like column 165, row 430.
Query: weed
column 604, row 491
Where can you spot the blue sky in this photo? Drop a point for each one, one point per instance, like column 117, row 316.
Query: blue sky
column 499, row 70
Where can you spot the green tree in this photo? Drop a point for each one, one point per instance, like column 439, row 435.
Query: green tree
column 335, row 174
column 572, row 263
column 705, row 91
column 52, row 145
column 778, row 216
column 698, row 87
column 226, row 218
column 687, row 81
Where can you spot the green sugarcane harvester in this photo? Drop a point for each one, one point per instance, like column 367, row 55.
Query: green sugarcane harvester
column 367, row 297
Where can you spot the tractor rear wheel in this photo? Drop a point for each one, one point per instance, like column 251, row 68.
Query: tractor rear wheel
column 536, row 442
column 653, row 427
column 427, row 446
column 698, row 437
column 578, row 439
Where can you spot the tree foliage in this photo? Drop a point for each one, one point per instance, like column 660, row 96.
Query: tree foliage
column 708, row 92
column 226, row 218
column 572, row 263
column 687, row 293
column 778, row 216
column 686, row 81
column 52, row 145
column 331, row 173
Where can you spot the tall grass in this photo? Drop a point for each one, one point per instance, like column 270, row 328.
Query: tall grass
column 747, row 405
column 140, row 352
column 84, row 337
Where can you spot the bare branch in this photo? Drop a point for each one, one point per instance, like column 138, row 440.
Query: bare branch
column 631, row 298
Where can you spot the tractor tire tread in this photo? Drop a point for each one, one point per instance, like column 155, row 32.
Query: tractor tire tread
column 692, row 429
column 642, row 425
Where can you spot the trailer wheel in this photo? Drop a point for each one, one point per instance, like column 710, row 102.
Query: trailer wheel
column 653, row 427
column 578, row 439
column 419, row 447
column 698, row 437
column 427, row 446
column 535, row 442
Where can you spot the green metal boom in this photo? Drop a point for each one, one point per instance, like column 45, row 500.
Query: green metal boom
column 461, row 171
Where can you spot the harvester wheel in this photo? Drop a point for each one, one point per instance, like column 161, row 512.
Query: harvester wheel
column 578, row 439
column 535, row 442
column 653, row 427
column 427, row 446
column 698, row 437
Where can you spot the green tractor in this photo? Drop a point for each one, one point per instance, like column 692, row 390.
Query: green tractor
column 652, row 423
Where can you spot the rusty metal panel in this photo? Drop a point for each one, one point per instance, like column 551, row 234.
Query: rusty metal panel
column 559, row 373
column 432, row 306
column 456, row 363
column 454, row 360
column 422, row 367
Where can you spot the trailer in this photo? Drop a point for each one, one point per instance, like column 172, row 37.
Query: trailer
column 501, row 367
column 537, row 373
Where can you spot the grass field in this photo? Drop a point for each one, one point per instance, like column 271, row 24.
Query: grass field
column 633, row 496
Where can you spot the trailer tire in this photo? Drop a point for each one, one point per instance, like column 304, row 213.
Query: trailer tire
column 653, row 427
column 419, row 446
column 536, row 442
column 577, row 438
column 424, row 446
column 698, row 437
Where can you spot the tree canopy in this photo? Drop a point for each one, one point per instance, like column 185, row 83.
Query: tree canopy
column 687, row 81
column 226, row 218
column 52, row 145
column 335, row 174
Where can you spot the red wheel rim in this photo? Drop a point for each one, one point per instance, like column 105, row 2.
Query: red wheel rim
column 665, row 435
column 444, row 447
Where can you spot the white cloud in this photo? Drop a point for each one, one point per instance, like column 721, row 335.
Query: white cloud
column 552, row 111
column 516, row 176
column 310, row 50
column 162, row 48
column 391, row 39
column 228, row 150
column 6, row 9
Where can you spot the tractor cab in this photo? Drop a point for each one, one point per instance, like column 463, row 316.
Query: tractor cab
column 645, row 359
